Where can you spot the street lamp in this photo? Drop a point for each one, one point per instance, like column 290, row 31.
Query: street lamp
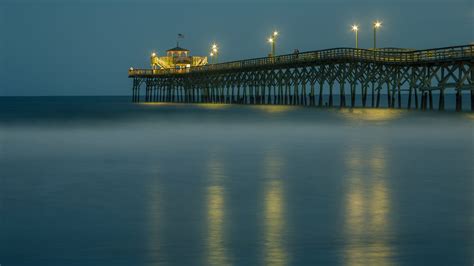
column 153, row 60
column 214, row 52
column 377, row 24
column 355, row 29
column 272, row 41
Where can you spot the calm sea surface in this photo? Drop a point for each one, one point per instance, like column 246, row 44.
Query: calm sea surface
column 102, row 181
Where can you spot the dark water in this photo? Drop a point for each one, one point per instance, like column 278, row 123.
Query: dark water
column 100, row 181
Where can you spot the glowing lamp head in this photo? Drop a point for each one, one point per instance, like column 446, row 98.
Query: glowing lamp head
column 355, row 28
column 275, row 33
column 214, row 46
column 211, row 54
column 270, row 40
column 377, row 24
column 131, row 68
column 214, row 50
column 153, row 54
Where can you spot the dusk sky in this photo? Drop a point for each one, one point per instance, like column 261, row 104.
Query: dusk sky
column 75, row 47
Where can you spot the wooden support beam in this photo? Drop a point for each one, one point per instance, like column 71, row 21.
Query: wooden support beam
column 320, row 101
column 330, row 93
column 353, row 94
column 342, row 93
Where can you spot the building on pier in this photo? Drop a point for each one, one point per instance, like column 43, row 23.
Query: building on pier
column 176, row 58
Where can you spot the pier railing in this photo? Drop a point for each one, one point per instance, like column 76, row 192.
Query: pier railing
column 387, row 55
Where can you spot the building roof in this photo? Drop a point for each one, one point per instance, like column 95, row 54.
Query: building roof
column 178, row 49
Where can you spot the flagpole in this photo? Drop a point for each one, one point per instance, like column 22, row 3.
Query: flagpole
column 180, row 36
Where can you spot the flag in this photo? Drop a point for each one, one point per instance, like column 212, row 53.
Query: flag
column 180, row 36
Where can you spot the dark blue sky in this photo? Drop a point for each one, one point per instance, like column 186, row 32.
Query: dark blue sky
column 74, row 47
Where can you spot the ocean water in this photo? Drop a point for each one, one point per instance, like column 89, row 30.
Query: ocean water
column 102, row 181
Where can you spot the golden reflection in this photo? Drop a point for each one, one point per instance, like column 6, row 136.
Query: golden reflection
column 355, row 209
column 367, row 227
column 372, row 114
column 157, row 103
column 216, row 242
column 274, row 214
column 470, row 116
column 379, row 208
column 274, row 108
column 355, row 199
column 213, row 105
column 379, row 191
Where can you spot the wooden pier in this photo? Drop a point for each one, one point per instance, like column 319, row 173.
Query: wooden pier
column 303, row 79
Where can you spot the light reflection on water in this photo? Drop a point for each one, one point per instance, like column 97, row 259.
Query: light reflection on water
column 89, row 167
column 216, row 218
column 470, row 116
column 377, row 115
column 274, row 108
column 157, row 103
column 213, row 105
column 275, row 250
column 367, row 227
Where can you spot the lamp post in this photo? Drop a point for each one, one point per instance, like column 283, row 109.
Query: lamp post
column 272, row 41
column 214, row 52
column 153, row 60
column 355, row 29
column 377, row 24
